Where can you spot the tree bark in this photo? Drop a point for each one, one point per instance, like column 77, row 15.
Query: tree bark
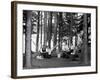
column 41, row 29
column 45, row 29
column 49, row 29
column 38, row 25
column 55, row 30
column 28, row 40
column 70, row 30
column 85, row 40
column 60, row 31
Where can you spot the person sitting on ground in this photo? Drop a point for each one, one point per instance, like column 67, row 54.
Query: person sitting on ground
column 45, row 52
column 39, row 56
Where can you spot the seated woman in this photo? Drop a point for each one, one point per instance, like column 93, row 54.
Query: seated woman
column 65, row 50
column 45, row 52
column 68, row 52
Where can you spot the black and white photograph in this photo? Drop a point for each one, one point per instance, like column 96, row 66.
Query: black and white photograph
column 53, row 39
column 56, row 39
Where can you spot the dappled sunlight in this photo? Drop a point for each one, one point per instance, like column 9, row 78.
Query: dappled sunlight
column 60, row 36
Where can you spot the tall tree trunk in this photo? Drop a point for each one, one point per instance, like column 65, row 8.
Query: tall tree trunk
column 85, row 40
column 49, row 29
column 38, row 25
column 41, row 30
column 70, row 30
column 84, row 54
column 28, row 40
column 58, row 18
column 60, row 31
column 45, row 29
column 55, row 30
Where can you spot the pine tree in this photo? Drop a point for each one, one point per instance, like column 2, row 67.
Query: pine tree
column 38, row 25
column 49, row 28
column 45, row 29
column 28, row 40
column 55, row 30
column 85, row 40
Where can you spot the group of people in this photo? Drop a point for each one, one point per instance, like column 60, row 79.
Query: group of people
column 68, row 48
column 45, row 52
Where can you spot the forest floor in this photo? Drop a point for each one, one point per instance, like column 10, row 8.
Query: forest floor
column 55, row 62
